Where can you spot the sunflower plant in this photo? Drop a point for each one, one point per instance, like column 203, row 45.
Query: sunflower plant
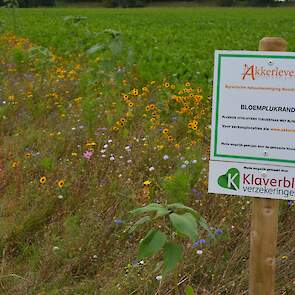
column 180, row 220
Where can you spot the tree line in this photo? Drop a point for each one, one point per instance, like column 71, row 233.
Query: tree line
column 140, row 3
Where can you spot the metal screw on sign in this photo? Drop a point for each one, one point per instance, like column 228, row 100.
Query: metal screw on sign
column 264, row 221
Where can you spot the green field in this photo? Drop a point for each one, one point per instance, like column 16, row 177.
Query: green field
column 106, row 110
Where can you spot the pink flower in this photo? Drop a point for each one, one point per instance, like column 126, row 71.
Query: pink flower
column 87, row 155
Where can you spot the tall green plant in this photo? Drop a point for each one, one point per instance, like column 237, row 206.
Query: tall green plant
column 179, row 219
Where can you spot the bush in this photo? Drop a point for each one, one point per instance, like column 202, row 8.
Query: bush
column 226, row 3
column 124, row 3
column 36, row 3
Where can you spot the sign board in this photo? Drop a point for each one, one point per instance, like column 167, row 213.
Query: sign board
column 253, row 124
column 254, row 107
column 255, row 180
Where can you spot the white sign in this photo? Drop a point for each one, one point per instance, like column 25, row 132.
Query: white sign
column 254, row 180
column 253, row 116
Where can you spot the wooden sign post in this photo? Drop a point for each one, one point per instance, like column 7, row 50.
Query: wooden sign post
column 264, row 221
column 252, row 143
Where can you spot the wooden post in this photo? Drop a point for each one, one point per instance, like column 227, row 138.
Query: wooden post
column 264, row 221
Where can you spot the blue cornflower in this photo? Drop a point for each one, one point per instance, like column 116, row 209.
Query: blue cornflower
column 198, row 243
column 118, row 221
column 218, row 232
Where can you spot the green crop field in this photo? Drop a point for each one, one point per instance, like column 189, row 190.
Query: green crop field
column 106, row 110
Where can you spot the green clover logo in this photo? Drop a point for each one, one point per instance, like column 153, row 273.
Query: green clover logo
column 230, row 180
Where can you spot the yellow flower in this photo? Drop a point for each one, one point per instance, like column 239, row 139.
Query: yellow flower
column 42, row 179
column 74, row 154
column 125, row 97
column 14, row 164
column 91, row 144
column 134, row 92
column 78, row 99
column 130, row 104
column 61, row 183
column 187, row 84
column 167, row 85
column 285, row 257
column 165, row 130
column 28, row 155
column 147, row 182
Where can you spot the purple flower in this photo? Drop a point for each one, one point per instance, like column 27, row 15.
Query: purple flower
column 118, row 221
column 290, row 203
column 198, row 243
column 218, row 232
column 196, row 193
column 87, row 155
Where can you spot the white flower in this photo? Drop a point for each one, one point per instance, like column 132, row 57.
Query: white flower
column 183, row 166
column 55, row 248
column 102, row 151
column 103, row 156
column 141, row 262
column 112, row 158
column 128, row 148
column 129, row 161
column 200, row 252
column 60, row 197
column 194, row 161
column 94, row 256
column 165, row 157
column 186, row 162
column 151, row 168
column 110, row 141
column 159, row 278
column 105, row 146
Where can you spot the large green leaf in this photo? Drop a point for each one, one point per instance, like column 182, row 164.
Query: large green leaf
column 160, row 209
column 152, row 243
column 139, row 222
column 95, row 48
column 185, row 224
column 172, row 255
column 189, row 290
column 183, row 207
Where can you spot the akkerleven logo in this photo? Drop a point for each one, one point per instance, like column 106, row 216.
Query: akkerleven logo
column 230, row 180
column 254, row 71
